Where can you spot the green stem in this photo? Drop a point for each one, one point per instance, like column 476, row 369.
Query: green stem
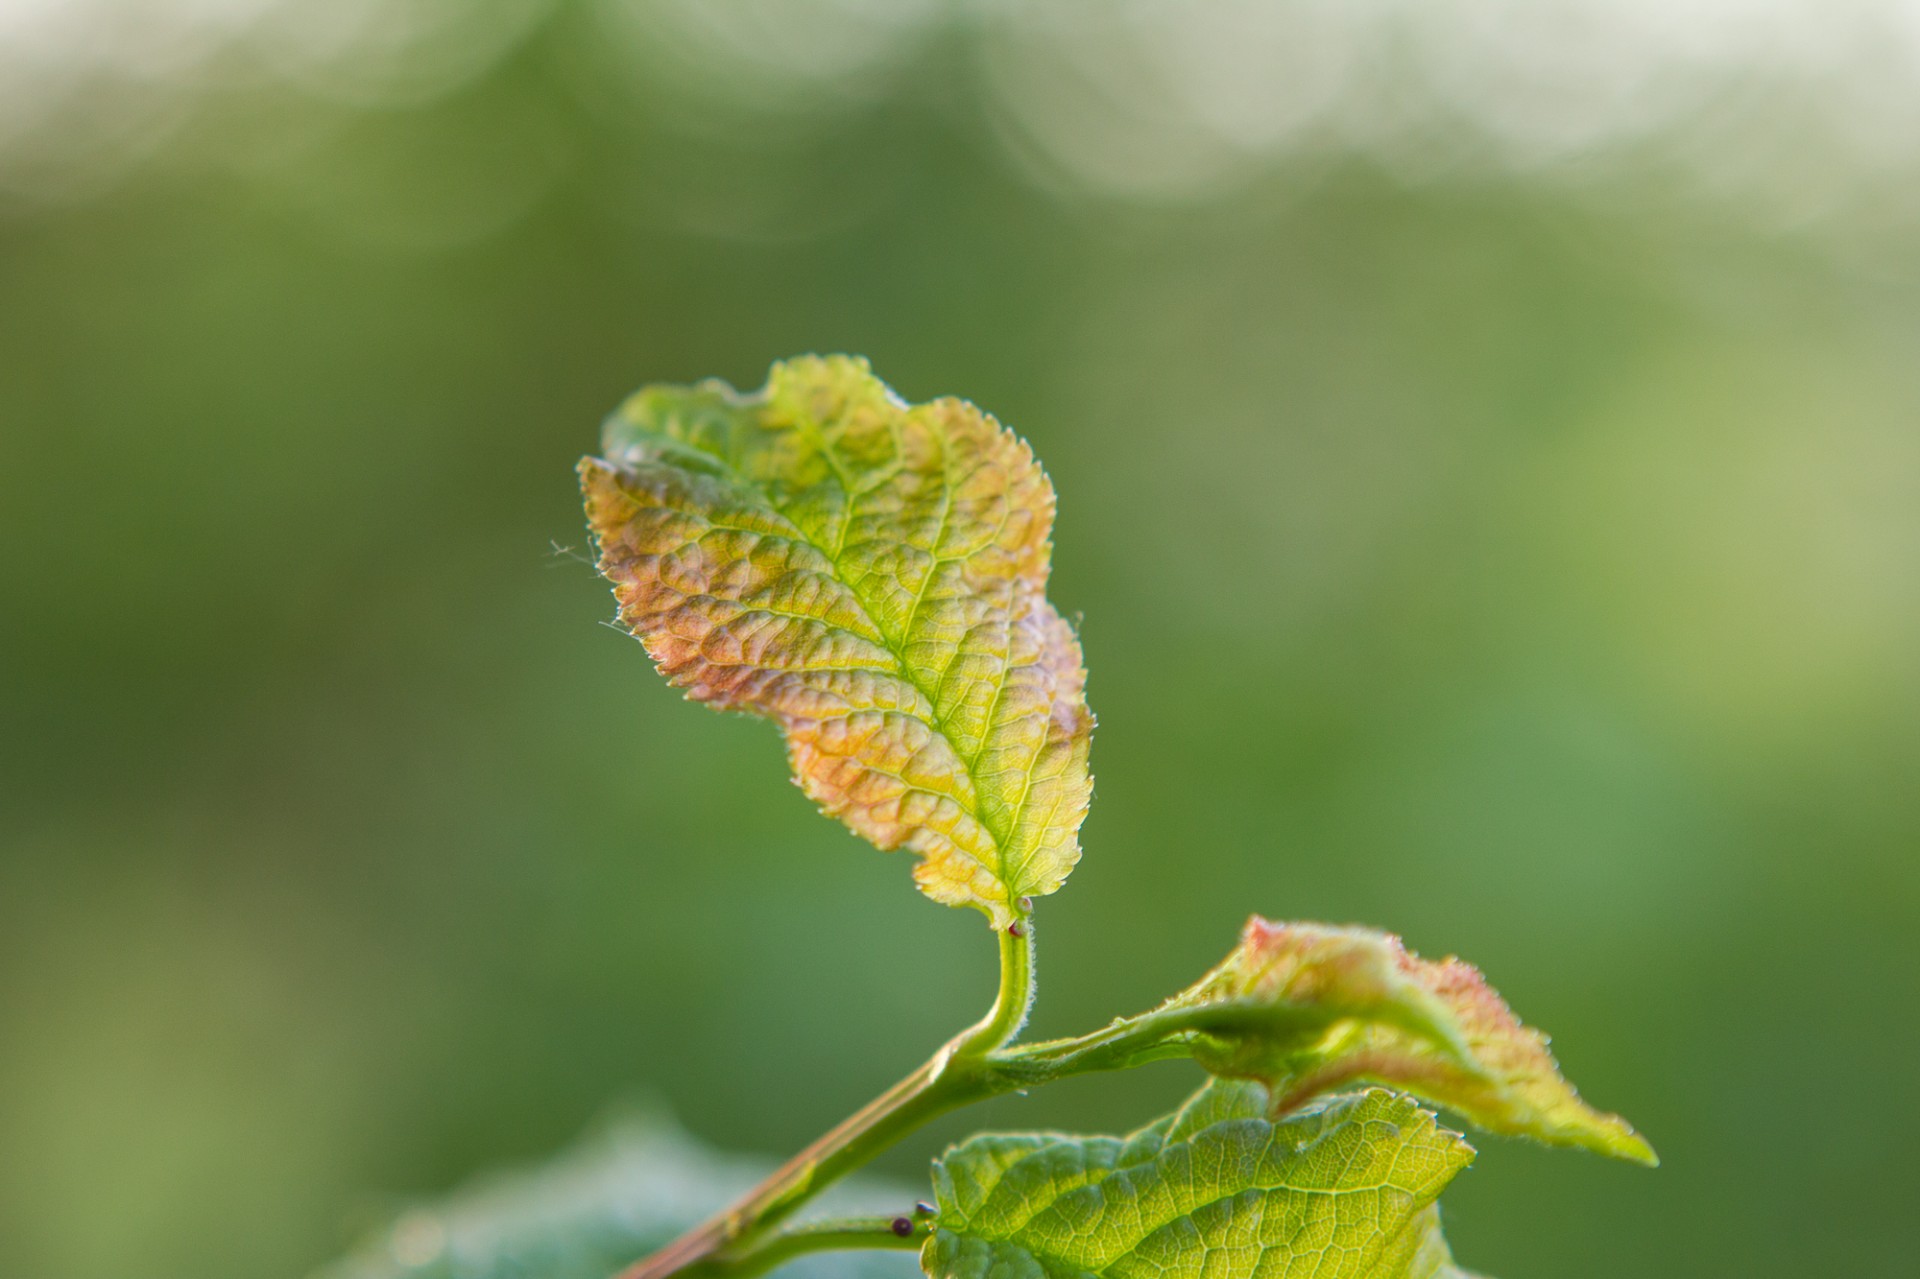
column 898, row 1233
column 1120, row 1045
column 975, row 1065
column 1011, row 1005
column 958, row 1075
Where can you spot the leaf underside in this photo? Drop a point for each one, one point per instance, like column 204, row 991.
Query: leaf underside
column 1343, row 1189
column 871, row 576
column 1436, row 1029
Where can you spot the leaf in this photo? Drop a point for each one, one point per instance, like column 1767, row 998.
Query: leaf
column 620, row 1193
column 1342, row 1189
column 1386, row 1014
column 871, row 576
column 1421, row 1252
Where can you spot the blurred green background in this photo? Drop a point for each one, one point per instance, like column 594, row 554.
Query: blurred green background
column 1488, row 438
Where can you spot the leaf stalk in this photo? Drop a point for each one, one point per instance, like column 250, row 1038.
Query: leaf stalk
column 960, row 1074
column 840, row 1235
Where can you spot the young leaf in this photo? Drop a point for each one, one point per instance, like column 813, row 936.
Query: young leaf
column 1435, row 1029
column 871, row 576
column 1342, row 1189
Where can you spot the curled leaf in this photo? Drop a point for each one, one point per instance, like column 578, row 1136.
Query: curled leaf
column 1436, row 1029
column 871, row 576
column 1343, row 1189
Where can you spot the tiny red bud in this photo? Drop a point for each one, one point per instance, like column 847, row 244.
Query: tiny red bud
column 1014, row 929
column 1026, row 904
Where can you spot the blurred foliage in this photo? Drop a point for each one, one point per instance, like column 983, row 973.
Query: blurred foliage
column 1553, row 548
column 621, row 1192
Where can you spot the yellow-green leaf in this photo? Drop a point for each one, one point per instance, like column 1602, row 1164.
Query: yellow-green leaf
column 1307, row 1008
column 1421, row 1252
column 871, row 576
column 1343, row 1189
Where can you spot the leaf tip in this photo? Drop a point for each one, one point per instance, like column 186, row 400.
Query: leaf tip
column 1615, row 1138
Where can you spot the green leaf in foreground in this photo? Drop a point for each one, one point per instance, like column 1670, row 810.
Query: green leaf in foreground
column 1341, row 1189
column 870, row 575
column 1308, row 1008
